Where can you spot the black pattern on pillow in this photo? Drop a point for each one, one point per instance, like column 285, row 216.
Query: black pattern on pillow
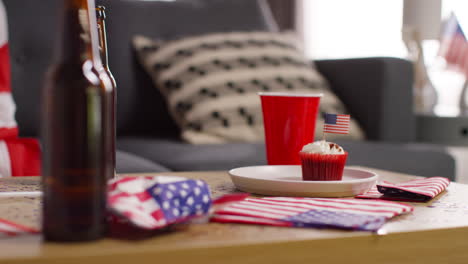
column 211, row 81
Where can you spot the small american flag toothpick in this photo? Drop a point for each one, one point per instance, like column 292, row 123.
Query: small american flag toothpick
column 336, row 124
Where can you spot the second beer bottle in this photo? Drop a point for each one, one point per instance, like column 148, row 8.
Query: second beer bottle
column 111, row 108
column 76, row 115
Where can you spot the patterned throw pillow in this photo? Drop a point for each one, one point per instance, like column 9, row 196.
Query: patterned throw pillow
column 211, row 82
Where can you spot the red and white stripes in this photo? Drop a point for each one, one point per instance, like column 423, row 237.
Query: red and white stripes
column 429, row 187
column 8, row 127
column 337, row 124
column 454, row 45
column 277, row 210
column 10, row 229
column 129, row 197
column 278, row 207
column 18, row 156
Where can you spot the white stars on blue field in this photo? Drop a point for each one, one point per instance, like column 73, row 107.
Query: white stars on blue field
column 182, row 199
column 326, row 218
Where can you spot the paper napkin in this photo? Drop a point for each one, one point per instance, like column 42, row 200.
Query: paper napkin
column 420, row 190
column 353, row 214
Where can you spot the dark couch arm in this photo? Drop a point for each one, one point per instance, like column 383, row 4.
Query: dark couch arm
column 377, row 92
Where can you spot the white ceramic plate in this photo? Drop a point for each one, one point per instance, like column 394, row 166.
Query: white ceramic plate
column 287, row 180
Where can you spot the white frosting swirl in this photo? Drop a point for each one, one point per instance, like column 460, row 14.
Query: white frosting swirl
column 323, row 147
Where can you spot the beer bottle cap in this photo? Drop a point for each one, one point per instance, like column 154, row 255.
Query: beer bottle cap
column 100, row 12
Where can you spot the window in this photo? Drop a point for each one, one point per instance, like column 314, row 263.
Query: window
column 358, row 28
column 367, row 28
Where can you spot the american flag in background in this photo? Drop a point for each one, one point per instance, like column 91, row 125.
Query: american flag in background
column 354, row 214
column 336, row 124
column 454, row 45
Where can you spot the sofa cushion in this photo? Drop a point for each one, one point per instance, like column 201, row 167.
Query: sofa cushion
column 131, row 163
column 417, row 159
column 180, row 156
column 166, row 20
column 34, row 26
column 211, row 82
column 411, row 158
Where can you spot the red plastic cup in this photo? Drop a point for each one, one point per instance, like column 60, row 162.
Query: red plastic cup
column 289, row 123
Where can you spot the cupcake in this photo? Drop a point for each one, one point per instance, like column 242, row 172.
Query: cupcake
column 322, row 161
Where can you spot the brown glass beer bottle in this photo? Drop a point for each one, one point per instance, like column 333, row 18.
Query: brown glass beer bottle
column 109, row 132
column 74, row 161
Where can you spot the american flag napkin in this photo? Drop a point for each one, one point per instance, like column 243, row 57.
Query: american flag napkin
column 10, row 229
column 152, row 203
column 353, row 214
column 420, row 190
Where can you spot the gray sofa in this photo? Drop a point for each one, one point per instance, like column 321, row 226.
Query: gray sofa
column 377, row 91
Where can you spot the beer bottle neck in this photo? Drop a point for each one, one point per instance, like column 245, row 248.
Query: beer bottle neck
column 79, row 37
column 103, row 41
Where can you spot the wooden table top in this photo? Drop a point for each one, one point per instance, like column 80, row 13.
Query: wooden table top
column 436, row 232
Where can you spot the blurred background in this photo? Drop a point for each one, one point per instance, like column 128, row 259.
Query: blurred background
column 366, row 28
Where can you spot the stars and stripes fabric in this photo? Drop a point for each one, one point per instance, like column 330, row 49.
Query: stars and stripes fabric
column 8, row 126
column 152, row 203
column 10, row 229
column 336, row 124
column 454, row 45
column 18, row 156
column 420, row 190
column 352, row 214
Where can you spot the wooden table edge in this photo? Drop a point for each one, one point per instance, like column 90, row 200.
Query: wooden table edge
column 437, row 246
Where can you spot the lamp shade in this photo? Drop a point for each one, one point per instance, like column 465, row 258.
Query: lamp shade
column 423, row 16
